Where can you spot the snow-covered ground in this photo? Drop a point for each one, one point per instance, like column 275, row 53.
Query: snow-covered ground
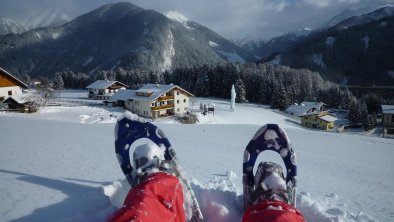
column 59, row 165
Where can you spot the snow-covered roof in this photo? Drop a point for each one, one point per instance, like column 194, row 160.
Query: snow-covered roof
column 316, row 104
column 153, row 90
column 388, row 109
column 103, row 84
column 20, row 98
column 302, row 109
column 24, row 85
column 122, row 95
column 328, row 118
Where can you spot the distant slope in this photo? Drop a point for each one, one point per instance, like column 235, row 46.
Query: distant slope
column 357, row 50
column 114, row 35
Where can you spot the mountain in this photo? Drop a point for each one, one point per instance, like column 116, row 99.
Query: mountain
column 365, row 18
column 269, row 49
column 280, row 43
column 8, row 26
column 357, row 50
column 345, row 14
column 223, row 47
column 114, row 35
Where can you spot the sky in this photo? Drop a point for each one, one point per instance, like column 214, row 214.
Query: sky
column 230, row 18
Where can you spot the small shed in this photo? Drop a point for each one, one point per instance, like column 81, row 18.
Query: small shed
column 388, row 118
column 20, row 103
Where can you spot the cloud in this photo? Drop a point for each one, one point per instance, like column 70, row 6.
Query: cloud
column 326, row 3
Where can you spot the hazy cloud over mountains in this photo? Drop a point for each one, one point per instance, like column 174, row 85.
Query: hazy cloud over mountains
column 230, row 18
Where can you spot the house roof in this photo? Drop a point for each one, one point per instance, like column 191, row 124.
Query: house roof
column 328, row 118
column 317, row 104
column 154, row 91
column 22, row 84
column 122, row 95
column 303, row 108
column 388, row 109
column 103, row 84
column 20, row 99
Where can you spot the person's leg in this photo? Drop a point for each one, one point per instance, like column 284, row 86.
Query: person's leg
column 272, row 211
column 159, row 197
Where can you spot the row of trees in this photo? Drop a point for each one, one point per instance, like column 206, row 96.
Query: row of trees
column 134, row 78
column 279, row 86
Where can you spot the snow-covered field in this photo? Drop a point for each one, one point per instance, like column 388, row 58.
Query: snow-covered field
column 59, row 165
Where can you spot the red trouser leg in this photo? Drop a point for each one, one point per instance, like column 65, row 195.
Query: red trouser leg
column 158, row 198
column 272, row 211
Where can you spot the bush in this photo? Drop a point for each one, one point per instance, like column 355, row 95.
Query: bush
column 187, row 118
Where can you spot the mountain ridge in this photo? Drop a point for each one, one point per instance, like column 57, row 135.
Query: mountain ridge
column 111, row 36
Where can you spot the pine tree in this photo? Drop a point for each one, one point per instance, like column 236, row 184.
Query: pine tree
column 240, row 90
column 279, row 99
column 202, row 84
column 101, row 75
column 373, row 103
column 58, row 83
column 354, row 114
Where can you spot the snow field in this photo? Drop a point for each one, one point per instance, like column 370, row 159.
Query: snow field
column 54, row 167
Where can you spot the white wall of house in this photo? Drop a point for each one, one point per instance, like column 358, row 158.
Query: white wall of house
column 181, row 102
column 129, row 104
column 14, row 90
column 142, row 108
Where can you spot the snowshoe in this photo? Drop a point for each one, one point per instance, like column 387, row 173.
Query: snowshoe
column 255, row 186
column 147, row 158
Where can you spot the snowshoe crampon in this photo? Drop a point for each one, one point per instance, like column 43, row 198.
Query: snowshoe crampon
column 269, row 137
column 131, row 128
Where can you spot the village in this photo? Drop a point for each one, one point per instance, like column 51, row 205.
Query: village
column 155, row 101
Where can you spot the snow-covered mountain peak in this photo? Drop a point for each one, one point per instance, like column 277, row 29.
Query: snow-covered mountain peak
column 174, row 15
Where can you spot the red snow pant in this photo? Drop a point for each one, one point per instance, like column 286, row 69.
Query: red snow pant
column 272, row 211
column 158, row 198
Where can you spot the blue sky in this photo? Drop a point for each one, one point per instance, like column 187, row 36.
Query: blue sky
column 230, row 18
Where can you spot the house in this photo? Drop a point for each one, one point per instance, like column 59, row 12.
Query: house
column 305, row 108
column 154, row 100
column 10, row 85
column 388, row 118
column 21, row 103
column 104, row 89
column 318, row 120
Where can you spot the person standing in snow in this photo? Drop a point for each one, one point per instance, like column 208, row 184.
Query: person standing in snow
column 159, row 195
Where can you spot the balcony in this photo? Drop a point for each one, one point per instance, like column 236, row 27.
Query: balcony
column 162, row 107
column 162, row 98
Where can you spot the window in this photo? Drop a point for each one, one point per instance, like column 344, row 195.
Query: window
column 177, row 93
column 178, row 110
column 184, row 100
column 10, row 93
column 185, row 108
column 177, row 101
